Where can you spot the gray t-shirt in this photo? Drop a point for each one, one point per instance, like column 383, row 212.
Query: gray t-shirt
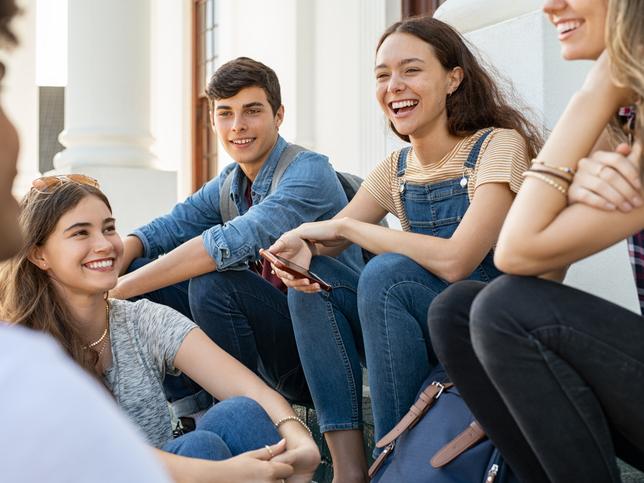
column 145, row 339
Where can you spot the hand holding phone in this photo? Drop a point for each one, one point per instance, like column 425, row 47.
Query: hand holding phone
column 294, row 269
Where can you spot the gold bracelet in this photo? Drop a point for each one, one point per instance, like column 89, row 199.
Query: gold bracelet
column 545, row 179
column 293, row 418
column 553, row 173
column 563, row 169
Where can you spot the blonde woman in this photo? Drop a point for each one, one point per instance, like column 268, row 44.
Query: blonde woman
column 555, row 375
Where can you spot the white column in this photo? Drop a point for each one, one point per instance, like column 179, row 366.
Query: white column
column 107, row 108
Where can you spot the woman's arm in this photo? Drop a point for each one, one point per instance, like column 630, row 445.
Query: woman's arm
column 225, row 377
column 250, row 466
column 541, row 233
column 449, row 258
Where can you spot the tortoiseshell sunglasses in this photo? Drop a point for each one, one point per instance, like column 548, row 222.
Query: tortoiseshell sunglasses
column 47, row 184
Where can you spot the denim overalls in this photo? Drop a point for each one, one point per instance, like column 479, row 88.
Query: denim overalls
column 437, row 209
column 378, row 316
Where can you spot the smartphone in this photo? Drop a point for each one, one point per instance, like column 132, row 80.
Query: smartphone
column 294, row 269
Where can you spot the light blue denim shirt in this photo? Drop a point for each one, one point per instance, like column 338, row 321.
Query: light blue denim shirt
column 308, row 191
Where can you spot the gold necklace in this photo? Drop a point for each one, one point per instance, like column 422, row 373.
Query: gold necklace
column 102, row 337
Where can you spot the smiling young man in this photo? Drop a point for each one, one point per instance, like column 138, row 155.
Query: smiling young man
column 211, row 269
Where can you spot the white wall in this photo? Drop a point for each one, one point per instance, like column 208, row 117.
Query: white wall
column 525, row 49
column 171, row 89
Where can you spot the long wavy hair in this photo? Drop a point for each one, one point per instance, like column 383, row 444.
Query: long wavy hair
column 625, row 44
column 27, row 294
column 478, row 102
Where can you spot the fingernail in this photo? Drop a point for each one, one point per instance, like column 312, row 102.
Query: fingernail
column 626, row 206
column 637, row 201
column 610, row 206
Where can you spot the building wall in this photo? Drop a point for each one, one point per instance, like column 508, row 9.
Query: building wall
column 523, row 47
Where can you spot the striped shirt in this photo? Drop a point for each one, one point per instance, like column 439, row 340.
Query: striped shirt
column 503, row 159
column 636, row 252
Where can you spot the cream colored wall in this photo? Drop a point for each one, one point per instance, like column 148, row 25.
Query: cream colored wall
column 516, row 38
column 171, row 88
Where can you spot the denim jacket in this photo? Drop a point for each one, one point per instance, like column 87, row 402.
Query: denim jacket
column 308, row 191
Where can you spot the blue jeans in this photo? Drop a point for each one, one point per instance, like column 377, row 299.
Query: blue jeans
column 248, row 318
column 386, row 306
column 228, row 429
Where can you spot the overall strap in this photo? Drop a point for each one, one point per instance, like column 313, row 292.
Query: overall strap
column 227, row 207
column 287, row 157
column 476, row 149
column 402, row 161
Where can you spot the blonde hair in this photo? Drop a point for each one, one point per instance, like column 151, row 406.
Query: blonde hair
column 625, row 44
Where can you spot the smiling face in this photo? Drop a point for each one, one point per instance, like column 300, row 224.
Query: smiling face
column 412, row 85
column 581, row 25
column 246, row 126
column 82, row 255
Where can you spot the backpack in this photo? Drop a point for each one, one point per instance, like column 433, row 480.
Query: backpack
column 350, row 184
column 439, row 441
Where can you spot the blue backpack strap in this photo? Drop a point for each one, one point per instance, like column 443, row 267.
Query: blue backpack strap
column 402, row 161
column 476, row 149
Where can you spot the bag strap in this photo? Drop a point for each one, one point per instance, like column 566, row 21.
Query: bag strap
column 425, row 400
column 227, row 207
column 464, row 441
column 287, row 157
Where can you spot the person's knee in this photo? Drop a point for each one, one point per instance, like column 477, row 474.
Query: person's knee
column 201, row 444
column 207, row 284
column 228, row 412
column 497, row 310
column 379, row 273
column 448, row 314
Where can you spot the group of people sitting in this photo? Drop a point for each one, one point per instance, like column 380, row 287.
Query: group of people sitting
column 491, row 218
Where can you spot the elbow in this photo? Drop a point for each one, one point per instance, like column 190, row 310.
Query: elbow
column 514, row 262
column 455, row 271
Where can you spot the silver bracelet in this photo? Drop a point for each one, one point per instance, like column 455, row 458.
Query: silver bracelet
column 293, row 418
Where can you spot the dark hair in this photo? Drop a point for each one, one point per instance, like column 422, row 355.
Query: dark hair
column 27, row 295
column 244, row 72
column 478, row 102
column 8, row 10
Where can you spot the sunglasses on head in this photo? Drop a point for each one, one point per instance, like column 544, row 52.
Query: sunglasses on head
column 46, row 184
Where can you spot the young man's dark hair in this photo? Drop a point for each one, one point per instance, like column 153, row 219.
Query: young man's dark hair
column 244, row 72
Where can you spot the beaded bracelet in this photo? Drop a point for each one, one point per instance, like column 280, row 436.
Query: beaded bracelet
column 550, row 173
column 545, row 179
column 294, row 418
column 563, row 169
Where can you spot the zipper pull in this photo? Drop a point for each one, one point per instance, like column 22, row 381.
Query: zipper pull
column 491, row 475
column 402, row 187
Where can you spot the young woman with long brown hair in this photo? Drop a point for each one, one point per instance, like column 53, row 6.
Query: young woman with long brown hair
column 58, row 283
column 555, row 375
column 451, row 190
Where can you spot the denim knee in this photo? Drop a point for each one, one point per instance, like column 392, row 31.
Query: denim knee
column 242, row 423
column 232, row 411
column 377, row 277
column 200, row 444
column 206, row 285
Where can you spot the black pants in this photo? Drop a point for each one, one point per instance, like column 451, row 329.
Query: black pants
column 554, row 375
